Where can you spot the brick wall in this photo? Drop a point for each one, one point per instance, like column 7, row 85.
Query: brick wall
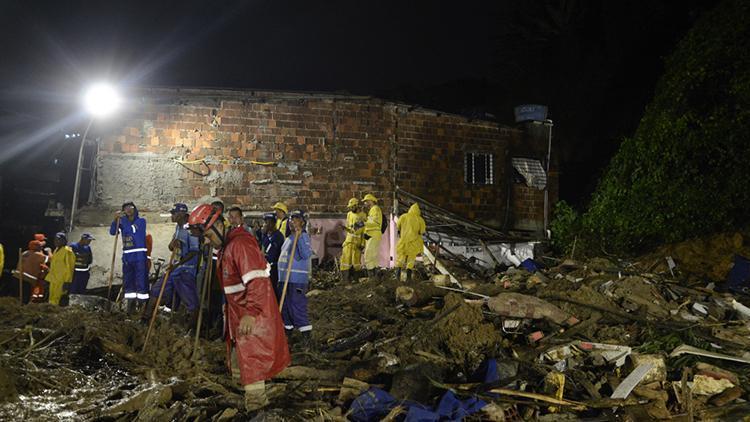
column 431, row 154
column 327, row 148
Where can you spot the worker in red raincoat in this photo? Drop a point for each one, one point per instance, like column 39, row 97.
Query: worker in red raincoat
column 253, row 323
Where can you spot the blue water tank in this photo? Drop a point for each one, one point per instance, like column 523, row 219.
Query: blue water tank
column 527, row 112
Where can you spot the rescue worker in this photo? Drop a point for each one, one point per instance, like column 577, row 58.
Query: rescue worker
column 61, row 267
column 84, row 258
column 253, row 327
column 411, row 227
column 181, row 280
column 282, row 220
column 235, row 218
column 294, row 310
column 372, row 235
column 351, row 254
column 34, row 267
column 272, row 240
column 134, row 271
column 47, row 251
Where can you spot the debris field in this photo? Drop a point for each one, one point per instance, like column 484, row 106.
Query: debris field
column 593, row 339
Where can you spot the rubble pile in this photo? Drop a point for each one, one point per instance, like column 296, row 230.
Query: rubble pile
column 567, row 340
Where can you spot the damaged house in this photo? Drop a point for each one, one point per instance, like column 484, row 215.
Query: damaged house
column 314, row 152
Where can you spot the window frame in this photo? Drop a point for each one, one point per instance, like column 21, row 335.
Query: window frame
column 489, row 167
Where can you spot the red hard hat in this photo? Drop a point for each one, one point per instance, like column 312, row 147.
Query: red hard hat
column 203, row 216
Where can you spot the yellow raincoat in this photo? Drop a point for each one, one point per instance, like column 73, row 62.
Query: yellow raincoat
column 351, row 255
column 372, row 229
column 61, row 267
column 411, row 227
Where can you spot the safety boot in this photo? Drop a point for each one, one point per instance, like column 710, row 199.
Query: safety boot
column 130, row 306
column 255, row 396
column 408, row 275
column 345, row 276
column 307, row 341
column 148, row 310
column 398, row 274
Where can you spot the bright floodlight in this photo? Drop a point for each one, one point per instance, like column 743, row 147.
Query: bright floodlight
column 101, row 99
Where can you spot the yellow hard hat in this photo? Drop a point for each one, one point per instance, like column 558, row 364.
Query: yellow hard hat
column 352, row 203
column 370, row 197
column 281, row 206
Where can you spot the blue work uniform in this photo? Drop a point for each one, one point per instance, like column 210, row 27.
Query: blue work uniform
column 182, row 278
column 82, row 270
column 134, row 272
column 271, row 244
column 294, row 311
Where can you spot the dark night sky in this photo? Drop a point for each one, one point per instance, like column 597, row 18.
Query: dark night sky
column 595, row 63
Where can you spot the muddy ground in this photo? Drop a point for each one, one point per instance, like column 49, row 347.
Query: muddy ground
column 70, row 363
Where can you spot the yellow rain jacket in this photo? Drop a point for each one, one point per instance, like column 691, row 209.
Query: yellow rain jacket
column 351, row 255
column 411, row 227
column 61, row 267
column 373, row 222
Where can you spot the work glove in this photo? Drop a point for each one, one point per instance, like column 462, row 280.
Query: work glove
column 359, row 224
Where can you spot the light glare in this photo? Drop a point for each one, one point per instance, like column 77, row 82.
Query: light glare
column 101, row 100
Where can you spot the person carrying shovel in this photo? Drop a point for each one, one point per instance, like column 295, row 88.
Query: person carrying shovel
column 256, row 343
column 295, row 265
column 134, row 272
column 186, row 248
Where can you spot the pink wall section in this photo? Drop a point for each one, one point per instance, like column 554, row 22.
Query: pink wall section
column 331, row 228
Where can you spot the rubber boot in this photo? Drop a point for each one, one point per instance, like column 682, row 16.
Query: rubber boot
column 345, row 276
column 130, row 306
column 148, row 310
column 398, row 274
column 255, row 396
column 192, row 323
column 307, row 341
column 408, row 275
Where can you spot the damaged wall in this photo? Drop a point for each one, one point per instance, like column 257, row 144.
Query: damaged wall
column 324, row 149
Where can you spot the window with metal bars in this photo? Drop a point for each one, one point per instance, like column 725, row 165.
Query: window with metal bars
column 479, row 168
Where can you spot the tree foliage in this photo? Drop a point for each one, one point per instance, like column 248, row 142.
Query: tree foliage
column 684, row 172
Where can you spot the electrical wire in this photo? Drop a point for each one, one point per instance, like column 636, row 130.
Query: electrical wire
column 185, row 163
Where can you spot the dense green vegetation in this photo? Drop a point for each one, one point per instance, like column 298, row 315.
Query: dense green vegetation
column 684, row 172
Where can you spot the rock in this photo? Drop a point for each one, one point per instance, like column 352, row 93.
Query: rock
column 516, row 305
column 706, row 386
column 443, row 280
column 657, row 373
column 90, row 302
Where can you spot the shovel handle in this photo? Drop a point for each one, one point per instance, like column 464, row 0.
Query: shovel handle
column 288, row 271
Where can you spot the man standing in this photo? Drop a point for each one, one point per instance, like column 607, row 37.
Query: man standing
column 294, row 310
column 373, row 234
column 47, row 251
column 351, row 254
column 235, row 218
column 272, row 240
column 410, row 227
column 61, row 267
column 84, row 258
column 34, row 267
column 282, row 220
column 134, row 273
column 186, row 249
column 254, row 331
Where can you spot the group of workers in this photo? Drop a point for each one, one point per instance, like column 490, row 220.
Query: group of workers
column 52, row 272
column 364, row 229
column 264, row 273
